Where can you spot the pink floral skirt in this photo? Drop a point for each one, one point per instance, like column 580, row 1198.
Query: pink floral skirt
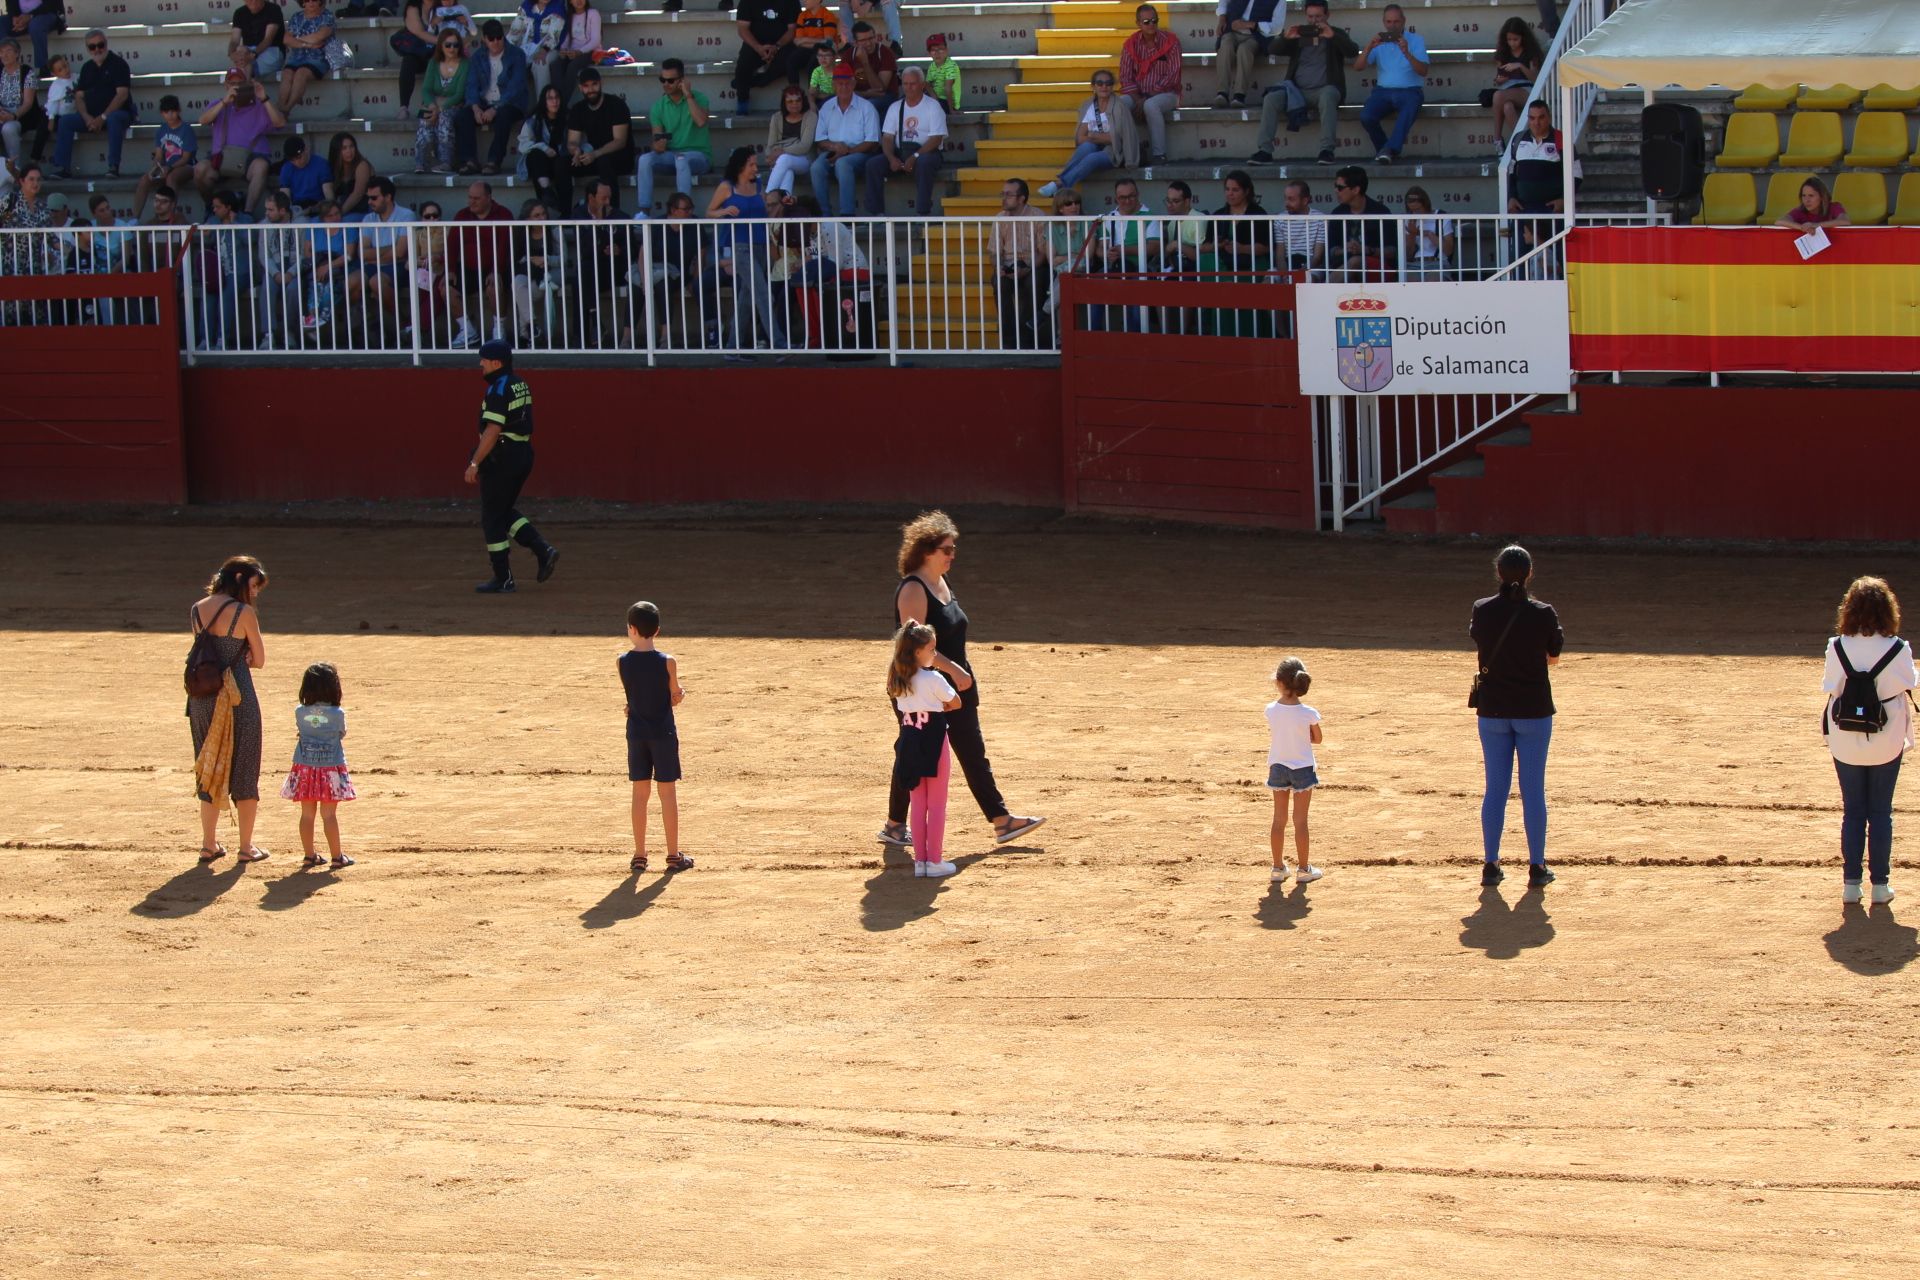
column 328, row 785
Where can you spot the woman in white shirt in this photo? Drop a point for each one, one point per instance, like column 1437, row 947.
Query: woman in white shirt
column 1431, row 242
column 1868, row 763
column 1104, row 138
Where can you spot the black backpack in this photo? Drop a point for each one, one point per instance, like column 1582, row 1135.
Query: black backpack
column 1857, row 708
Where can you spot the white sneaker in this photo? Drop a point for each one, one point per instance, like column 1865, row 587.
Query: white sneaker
column 1882, row 893
column 1307, row 875
column 1850, row 891
column 933, row 870
column 1279, row 874
column 464, row 336
column 1047, row 190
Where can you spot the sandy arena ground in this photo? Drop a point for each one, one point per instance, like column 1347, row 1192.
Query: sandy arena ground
column 1110, row 1052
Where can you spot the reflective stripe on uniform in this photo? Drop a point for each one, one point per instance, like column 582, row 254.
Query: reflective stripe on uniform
column 508, row 435
column 501, row 546
column 500, row 418
column 515, row 527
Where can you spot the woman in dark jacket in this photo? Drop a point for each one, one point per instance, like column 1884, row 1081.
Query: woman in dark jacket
column 1518, row 638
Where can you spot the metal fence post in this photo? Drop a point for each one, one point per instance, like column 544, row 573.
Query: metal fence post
column 412, row 285
column 893, row 300
column 186, row 297
column 646, row 287
column 1337, row 458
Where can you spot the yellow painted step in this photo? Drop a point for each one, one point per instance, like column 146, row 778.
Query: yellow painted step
column 1025, row 153
column 1075, row 70
column 973, row 206
column 1091, row 42
column 1047, row 97
column 1081, row 16
column 1036, row 126
column 981, row 185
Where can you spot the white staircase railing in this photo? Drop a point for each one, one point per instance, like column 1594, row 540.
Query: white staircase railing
column 1581, row 18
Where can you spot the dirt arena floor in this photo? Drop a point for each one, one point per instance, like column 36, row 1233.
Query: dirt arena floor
column 1112, row 1051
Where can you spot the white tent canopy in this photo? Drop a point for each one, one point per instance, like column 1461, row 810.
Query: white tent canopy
column 1703, row 44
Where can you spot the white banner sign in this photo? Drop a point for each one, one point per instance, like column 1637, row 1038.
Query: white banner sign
column 1427, row 339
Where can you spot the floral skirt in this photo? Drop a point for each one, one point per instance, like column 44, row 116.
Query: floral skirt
column 328, row 785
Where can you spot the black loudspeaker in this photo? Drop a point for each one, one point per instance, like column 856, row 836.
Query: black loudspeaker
column 1673, row 151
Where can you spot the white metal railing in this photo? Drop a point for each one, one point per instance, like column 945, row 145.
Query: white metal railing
column 1581, row 18
column 708, row 287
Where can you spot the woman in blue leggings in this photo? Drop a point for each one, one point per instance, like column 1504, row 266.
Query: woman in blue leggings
column 1518, row 638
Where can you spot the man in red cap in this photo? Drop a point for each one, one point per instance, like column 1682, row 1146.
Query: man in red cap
column 847, row 138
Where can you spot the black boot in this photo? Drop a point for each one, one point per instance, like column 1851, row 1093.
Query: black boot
column 543, row 551
column 502, row 580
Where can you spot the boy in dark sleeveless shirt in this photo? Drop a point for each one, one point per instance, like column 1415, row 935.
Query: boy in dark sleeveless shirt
column 652, row 682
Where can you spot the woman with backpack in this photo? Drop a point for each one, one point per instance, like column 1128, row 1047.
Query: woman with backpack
column 225, row 717
column 1518, row 638
column 1869, row 727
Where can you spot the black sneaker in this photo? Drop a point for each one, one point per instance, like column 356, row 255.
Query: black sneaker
column 495, row 586
column 1262, row 156
column 1239, row 99
column 1538, row 876
column 548, row 565
column 1492, row 874
column 1326, row 157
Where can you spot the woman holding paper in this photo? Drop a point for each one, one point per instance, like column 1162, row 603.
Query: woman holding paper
column 1817, row 208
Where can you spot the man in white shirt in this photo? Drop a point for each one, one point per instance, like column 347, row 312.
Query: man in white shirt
column 1300, row 238
column 847, row 139
column 911, row 142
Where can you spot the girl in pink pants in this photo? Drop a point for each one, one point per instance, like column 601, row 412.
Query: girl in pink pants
column 921, row 698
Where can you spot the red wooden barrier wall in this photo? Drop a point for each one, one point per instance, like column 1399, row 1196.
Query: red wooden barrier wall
column 91, row 413
column 1188, row 427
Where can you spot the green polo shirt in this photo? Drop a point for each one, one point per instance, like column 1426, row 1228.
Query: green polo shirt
column 675, row 119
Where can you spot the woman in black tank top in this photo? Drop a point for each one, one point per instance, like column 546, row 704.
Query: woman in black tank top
column 927, row 547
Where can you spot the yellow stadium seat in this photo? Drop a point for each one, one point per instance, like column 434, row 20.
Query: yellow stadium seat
column 1727, row 200
column 1838, row 98
column 1760, row 98
column 1813, row 140
column 1783, row 192
column 1752, row 141
column 1884, row 97
column 1865, row 197
column 1906, row 213
column 1879, row 140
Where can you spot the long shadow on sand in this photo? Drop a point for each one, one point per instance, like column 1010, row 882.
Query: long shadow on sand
column 1869, row 941
column 192, row 890
column 1283, row 910
column 624, row 903
column 895, row 897
column 298, row 885
column 1503, row 932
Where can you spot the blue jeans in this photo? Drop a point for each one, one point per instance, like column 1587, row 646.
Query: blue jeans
column 684, row 165
column 1088, row 159
column 39, row 27
column 71, row 126
column 1866, row 822
column 1402, row 104
column 1500, row 740
column 846, row 172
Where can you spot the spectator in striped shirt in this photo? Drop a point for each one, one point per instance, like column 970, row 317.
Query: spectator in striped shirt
column 1150, row 76
column 1300, row 238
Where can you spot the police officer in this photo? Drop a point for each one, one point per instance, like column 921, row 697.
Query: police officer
column 501, row 463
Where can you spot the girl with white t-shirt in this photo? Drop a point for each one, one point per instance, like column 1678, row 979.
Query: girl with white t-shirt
column 1869, row 763
column 921, row 760
column 1295, row 731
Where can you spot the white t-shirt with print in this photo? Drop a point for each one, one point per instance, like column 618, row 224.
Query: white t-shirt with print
column 1292, row 728
column 1096, row 120
column 1885, row 746
column 929, row 691
column 911, row 126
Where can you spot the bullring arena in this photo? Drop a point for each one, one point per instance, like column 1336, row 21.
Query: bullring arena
column 1111, row 1050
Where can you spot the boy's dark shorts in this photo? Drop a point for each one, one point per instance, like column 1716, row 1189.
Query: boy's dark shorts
column 653, row 759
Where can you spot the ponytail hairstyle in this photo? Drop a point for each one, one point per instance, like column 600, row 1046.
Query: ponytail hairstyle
column 919, row 538
column 1868, row 609
column 1292, row 675
column 320, row 686
column 235, row 576
column 1514, row 566
column 907, row 642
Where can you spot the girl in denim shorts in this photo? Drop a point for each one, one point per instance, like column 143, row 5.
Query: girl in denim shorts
column 1295, row 729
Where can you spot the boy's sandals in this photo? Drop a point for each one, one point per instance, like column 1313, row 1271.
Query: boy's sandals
column 340, row 862
column 638, row 864
column 312, row 860
column 896, row 835
column 1015, row 828
column 679, row 862
column 255, row 854
column 210, row 856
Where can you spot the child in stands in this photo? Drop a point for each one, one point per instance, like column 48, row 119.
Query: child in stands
column 943, row 77
column 175, row 152
column 1294, row 731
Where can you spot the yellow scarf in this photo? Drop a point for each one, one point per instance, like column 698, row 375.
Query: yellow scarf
column 213, row 769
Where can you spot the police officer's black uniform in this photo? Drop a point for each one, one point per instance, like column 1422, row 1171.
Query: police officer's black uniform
column 505, row 468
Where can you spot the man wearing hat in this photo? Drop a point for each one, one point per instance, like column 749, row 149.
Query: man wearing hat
column 501, row 463
column 846, row 139
column 599, row 130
